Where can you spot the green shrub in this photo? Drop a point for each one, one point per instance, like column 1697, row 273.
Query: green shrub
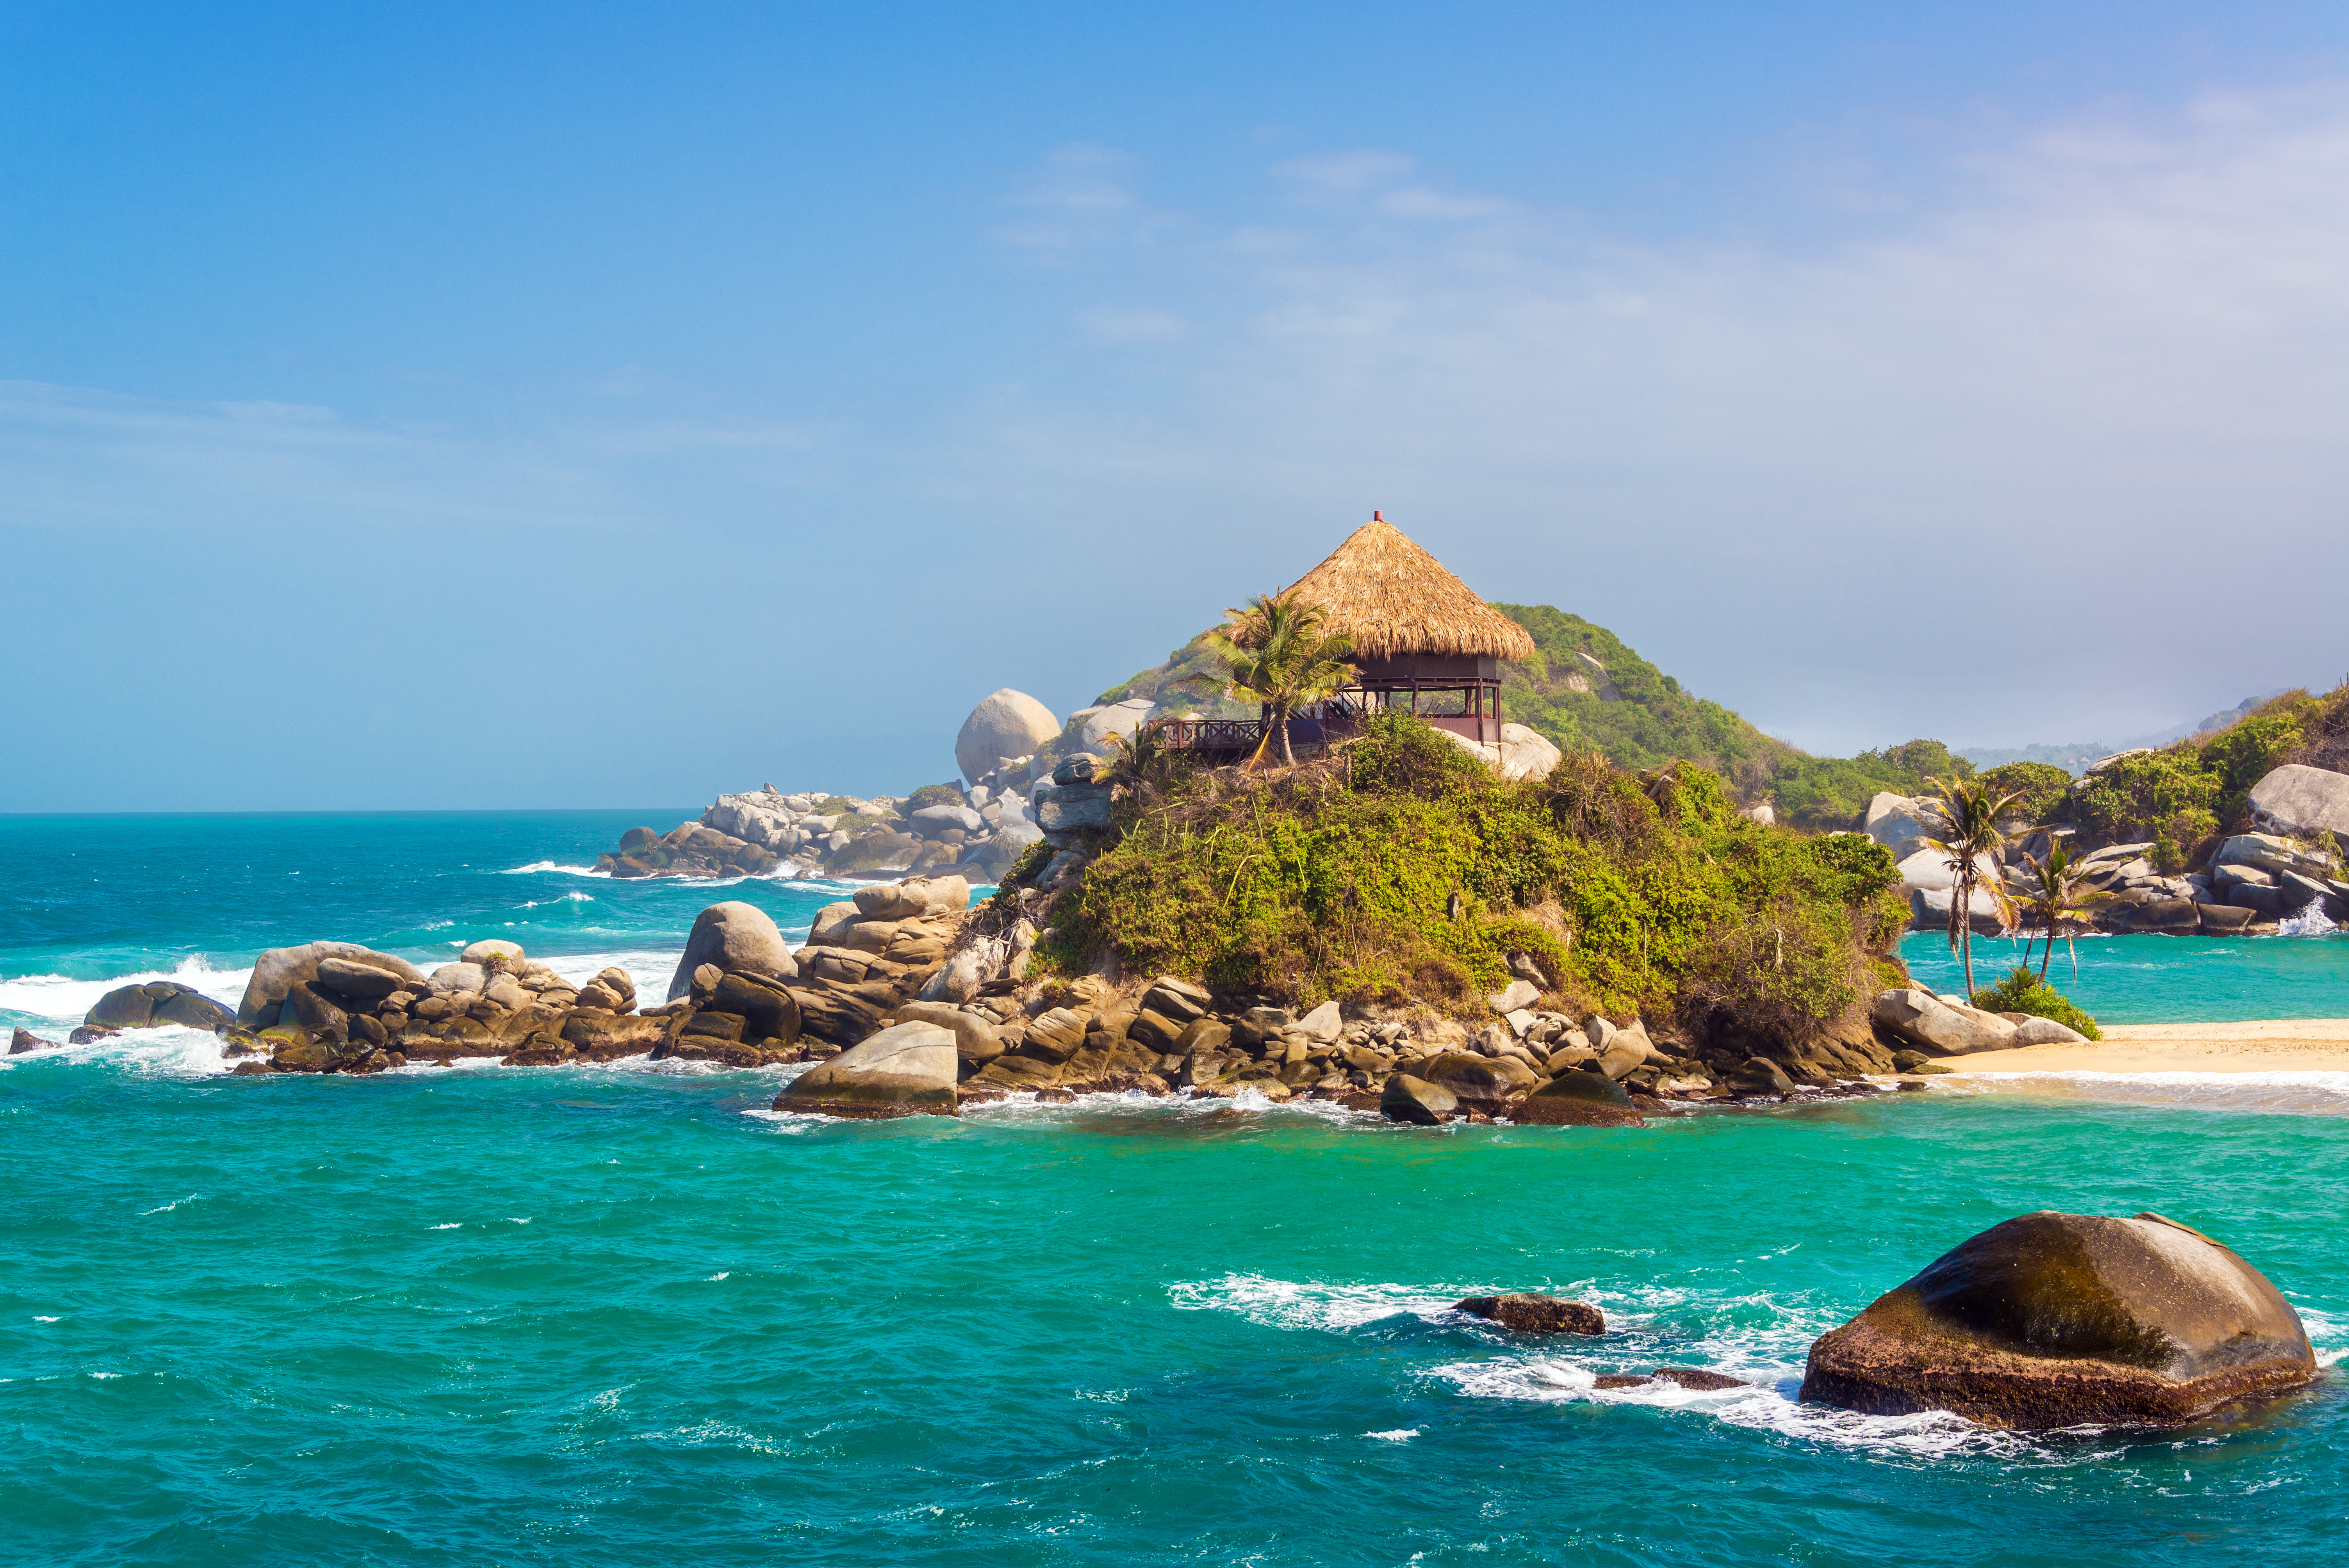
column 1342, row 880
column 2025, row 992
column 2167, row 796
column 931, row 794
column 2042, row 785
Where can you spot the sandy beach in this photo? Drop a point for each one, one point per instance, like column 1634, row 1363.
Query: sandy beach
column 2267, row 1044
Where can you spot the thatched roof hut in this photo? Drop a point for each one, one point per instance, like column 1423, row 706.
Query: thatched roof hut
column 1396, row 600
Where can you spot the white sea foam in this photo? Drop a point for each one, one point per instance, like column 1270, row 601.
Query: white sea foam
column 2288, row 1092
column 2309, row 922
column 167, row 1208
column 1334, row 1308
column 61, row 997
column 555, row 868
column 163, row 1053
column 1760, row 1339
column 1400, row 1435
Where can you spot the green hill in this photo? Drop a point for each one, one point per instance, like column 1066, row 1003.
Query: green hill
column 1587, row 690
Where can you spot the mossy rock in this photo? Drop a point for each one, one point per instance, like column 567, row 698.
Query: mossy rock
column 2052, row 1319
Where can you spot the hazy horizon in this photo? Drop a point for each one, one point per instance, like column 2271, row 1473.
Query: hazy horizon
column 404, row 411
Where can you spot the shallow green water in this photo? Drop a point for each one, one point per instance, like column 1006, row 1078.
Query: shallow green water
column 2165, row 979
column 630, row 1316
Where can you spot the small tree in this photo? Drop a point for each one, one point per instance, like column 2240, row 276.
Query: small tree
column 1277, row 652
column 2052, row 889
column 1968, row 814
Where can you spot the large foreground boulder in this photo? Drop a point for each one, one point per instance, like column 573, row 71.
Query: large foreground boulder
column 738, row 937
column 277, row 972
column 2051, row 1319
column 908, row 1069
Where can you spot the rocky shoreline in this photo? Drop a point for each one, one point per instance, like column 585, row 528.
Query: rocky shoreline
column 2249, row 885
column 917, row 1003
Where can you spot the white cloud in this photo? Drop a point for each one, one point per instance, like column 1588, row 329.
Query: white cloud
column 2078, row 417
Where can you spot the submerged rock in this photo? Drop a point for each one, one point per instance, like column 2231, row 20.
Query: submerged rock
column 25, row 1040
column 1418, row 1101
column 1528, row 1314
column 2052, row 1319
column 1576, row 1098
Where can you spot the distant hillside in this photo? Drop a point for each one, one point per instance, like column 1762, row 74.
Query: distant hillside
column 2075, row 757
column 1587, row 690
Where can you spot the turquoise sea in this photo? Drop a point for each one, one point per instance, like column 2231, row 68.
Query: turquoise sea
column 627, row 1314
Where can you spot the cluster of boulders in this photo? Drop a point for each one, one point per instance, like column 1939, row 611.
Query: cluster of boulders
column 1060, row 1038
column 979, row 833
column 1943, row 1026
column 337, row 1007
column 2251, row 884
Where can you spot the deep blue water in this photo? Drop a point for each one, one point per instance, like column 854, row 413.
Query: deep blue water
column 630, row 1316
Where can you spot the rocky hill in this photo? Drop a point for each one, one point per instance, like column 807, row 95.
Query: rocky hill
column 1586, row 689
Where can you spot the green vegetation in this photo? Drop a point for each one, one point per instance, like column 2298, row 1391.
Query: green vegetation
column 1400, row 867
column 2166, row 795
column 1822, row 794
column 2025, row 992
column 1277, row 653
column 2038, row 788
column 2054, row 891
column 1176, row 686
column 1966, row 817
column 932, row 795
column 1587, row 691
column 2183, row 796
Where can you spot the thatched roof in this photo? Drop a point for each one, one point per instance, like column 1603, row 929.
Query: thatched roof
column 1393, row 597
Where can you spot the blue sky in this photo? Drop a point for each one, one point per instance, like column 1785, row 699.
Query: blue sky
column 443, row 406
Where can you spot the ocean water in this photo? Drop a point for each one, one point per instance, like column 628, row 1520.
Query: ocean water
column 629, row 1314
column 2139, row 979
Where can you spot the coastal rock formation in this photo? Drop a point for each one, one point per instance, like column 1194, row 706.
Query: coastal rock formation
column 1577, row 1099
column 158, row 1003
column 1006, row 724
column 277, row 972
column 1944, row 1027
column 1536, row 1313
column 909, row 1069
column 980, row 831
column 740, row 939
column 2052, row 1319
column 2300, row 800
column 24, row 1040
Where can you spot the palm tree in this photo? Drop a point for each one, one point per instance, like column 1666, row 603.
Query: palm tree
column 2052, row 891
column 1276, row 651
column 1968, row 814
column 1140, row 761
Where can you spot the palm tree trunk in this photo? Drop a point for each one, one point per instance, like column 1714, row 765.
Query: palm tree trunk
column 2049, row 956
column 1961, row 915
column 1288, row 756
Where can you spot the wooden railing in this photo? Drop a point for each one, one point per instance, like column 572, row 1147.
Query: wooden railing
column 1212, row 734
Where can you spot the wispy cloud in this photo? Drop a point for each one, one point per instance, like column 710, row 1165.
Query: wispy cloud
column 2107, row 358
